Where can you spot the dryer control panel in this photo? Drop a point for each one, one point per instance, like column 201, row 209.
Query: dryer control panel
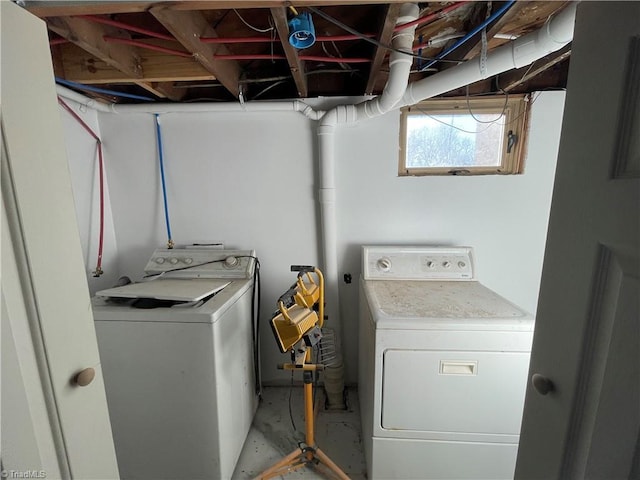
column 201, row 263
column 417, row 263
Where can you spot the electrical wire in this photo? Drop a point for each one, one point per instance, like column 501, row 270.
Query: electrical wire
column 98, row 271
column 266, row 89
column 500, row 115
column 197, row 265
column 293, row 423
column 255, row 29
column 496, row 121
column 366, row 38
column 255, row 329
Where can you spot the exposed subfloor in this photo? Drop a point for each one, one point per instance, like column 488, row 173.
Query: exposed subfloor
column 272, row 437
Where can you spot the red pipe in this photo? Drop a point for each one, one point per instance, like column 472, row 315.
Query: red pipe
column 98, row 270
column 338, row 38
column 431, row 17
column 342, row 38
column 126, row 26
column 266, row 56
column 140, row 44
column 333, row 38
column 312, row 58
column 237, row 40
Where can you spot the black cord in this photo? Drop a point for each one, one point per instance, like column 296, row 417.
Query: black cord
column 255, row 330
column 293, row 424
column 198, row 265
column 375, row 42
column 183, row 268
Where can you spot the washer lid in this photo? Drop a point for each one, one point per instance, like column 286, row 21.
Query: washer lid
column 442, row 305
column 177, row 289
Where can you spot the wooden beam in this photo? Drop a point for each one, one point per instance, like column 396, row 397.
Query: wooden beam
column 89, row 36
column 512, row 79
column 58, row 62
column 150, row 88
column 187, row 27
column 56, row 8
column 80, row 66
column 296, row 65
column 386, row 32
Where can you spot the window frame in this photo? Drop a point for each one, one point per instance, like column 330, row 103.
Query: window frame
column 516, row 109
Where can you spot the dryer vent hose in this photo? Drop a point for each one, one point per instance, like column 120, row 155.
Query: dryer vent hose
column 333, row 371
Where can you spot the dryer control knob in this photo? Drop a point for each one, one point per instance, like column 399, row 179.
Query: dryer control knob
column 188, row 261
column 431, row 264
column 384, row 264
column 230, row 262
column 160, row 260
column 173, row 260
column 461, row 264
column 446, row 264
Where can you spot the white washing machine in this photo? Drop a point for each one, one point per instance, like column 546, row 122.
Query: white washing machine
column 178, row 360
column 443, row 367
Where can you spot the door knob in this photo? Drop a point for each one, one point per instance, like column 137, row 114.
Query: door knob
column 84, row 377
column 542, row 384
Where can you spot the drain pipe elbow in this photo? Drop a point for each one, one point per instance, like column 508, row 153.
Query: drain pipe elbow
column 307, row 110
column 400, row 61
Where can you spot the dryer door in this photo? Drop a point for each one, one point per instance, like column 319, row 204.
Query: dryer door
column 434, row 392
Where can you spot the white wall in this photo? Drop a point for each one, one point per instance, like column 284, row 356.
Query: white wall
column 82, row 154
column 503, row 217
column 249, row 180
column 245, row 179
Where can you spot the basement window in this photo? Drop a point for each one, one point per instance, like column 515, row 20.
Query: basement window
column 464, row 136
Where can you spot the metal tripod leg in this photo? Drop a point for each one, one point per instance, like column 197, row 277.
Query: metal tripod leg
column 291, row 462
column 329, row 463
column 309, row 455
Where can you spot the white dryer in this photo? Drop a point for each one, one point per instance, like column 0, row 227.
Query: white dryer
column 179, row 371
column 443, row 367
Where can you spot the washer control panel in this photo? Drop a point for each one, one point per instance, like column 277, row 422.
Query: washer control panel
column 201, row 263
column 417, row 263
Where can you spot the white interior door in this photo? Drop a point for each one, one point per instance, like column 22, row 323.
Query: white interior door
column 51, row 425
column 587, row 339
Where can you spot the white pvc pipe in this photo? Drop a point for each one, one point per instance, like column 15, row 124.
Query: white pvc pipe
column 400, row 66
column 555, row 34
column 223, row 107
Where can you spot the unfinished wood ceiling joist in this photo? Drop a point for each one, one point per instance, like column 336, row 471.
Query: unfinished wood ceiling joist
column 239, row 50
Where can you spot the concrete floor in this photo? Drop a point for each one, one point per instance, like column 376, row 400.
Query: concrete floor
column 272, row 437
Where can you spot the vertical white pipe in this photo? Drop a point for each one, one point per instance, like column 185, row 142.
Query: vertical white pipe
column 328, row 220
column 400, row 66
